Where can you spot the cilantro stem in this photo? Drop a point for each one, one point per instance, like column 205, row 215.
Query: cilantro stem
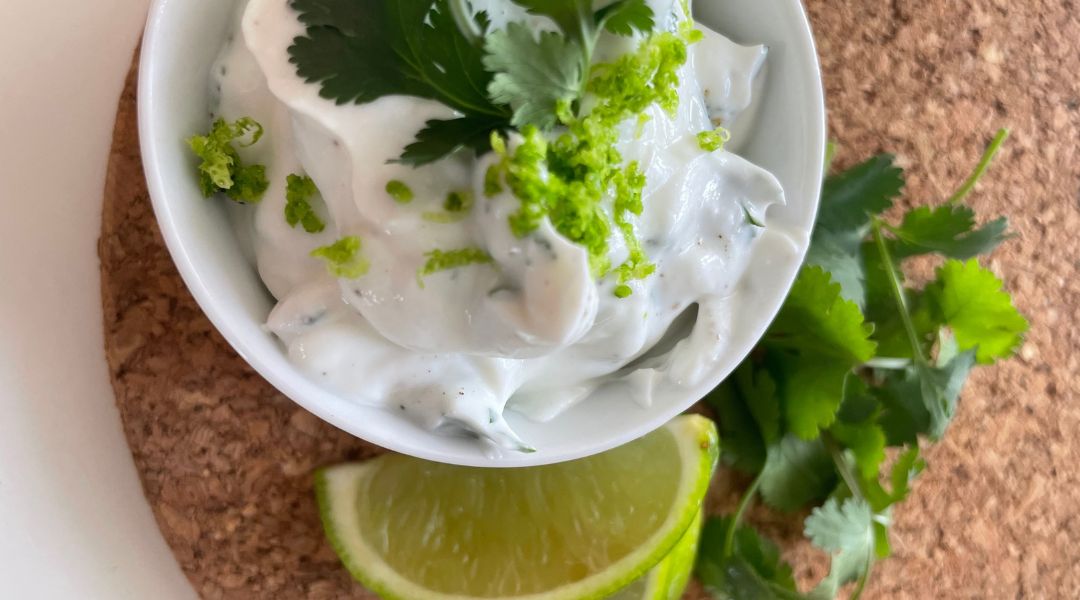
column 980, row 169
column 897, row 291
column 861, row 585
column 852, row 482
column 736, row 519
column 842, row 465
column 888, row 363
column 465, row 22
column 416, row 61
column 830, row 154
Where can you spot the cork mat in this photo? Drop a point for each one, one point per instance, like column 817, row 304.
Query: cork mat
column 225, row 460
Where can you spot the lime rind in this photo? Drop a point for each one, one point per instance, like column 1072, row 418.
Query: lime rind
column 678, row 565
column 667, row 580
column 336, row 488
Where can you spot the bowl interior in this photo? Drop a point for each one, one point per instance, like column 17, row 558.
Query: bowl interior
column 182, row 40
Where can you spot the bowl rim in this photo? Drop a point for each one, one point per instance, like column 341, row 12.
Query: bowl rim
column 156, row 29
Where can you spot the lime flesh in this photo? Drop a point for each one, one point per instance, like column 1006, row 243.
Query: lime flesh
column 415, row 530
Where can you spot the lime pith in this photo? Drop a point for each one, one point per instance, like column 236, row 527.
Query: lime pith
column 414, row 530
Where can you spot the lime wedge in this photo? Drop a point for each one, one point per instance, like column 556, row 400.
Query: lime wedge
column 667, row 580
column 409, row 529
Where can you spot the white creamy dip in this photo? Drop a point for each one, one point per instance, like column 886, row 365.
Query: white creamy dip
column 533, row 332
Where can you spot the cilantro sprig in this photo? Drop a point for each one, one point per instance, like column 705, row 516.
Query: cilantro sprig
column 858, row 361
column 497, row 79
column 362, row 50
column 537, row 73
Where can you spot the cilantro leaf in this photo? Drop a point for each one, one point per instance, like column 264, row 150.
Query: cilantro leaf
column 880, row 303
column 350, row 49
column 970, row 300
column 534, row 73
column 840, row 255
column 361, row 50
column 755, row 570
column 797, row 472
column 748, row 412
column 735, row 579
column 298, row 210
column 222, row 169
column 904, row 415
column 922, row 399
column 859, row 405
column 811, row 390
column 540, row 75
column 907, row 468
column 625, row 17
column 760, row 390
column 441, row 137
column 846, row 532
column 343, row 258
column 866, row 442
column 574, row 17
column 940, row 388
column 948, row 230
column 740, row 440
column 849, row 199
column 815, row 319
column 815, row 341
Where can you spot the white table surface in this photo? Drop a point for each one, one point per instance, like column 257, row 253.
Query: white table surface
column 73, row 521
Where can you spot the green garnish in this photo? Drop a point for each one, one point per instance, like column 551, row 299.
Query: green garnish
column 343, row 258
column 512, row 78
column 401, row 193
column 623, row 291
column 711, row 141
column 566, row 180
column 360, row 51
column 856, row 362
column 444, row 260
column 299, row 190
column 221, row 169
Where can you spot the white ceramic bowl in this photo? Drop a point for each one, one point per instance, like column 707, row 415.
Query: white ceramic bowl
column 182, row 39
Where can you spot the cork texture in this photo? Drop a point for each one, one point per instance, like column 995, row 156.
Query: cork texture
column 226, row 461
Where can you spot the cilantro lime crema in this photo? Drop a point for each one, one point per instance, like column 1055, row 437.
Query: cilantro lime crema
column 469, row 207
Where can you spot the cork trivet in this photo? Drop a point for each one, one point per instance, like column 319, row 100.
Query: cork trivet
column 225, row 460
